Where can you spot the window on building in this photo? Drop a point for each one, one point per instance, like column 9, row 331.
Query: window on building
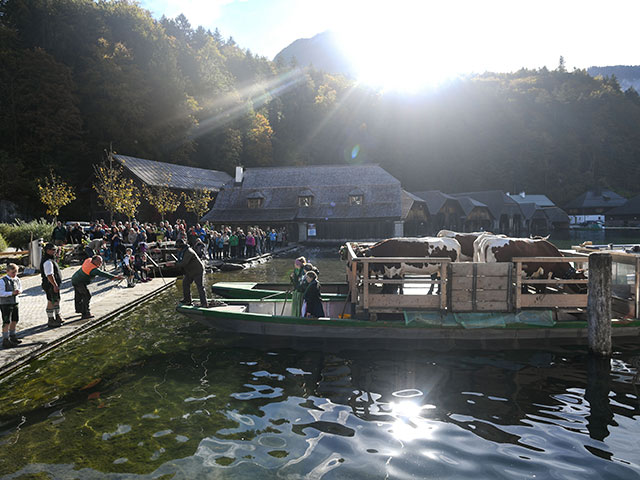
column 305, row 201
column 254, row 202
column 356, row 199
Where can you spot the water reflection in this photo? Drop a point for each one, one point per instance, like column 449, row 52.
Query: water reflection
column 157, row 395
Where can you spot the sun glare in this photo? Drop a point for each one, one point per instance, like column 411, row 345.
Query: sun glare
column 406, row 46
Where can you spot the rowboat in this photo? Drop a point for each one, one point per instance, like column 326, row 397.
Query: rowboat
column 266, row 319
column 277, row 291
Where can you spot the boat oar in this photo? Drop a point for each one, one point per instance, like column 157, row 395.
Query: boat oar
column 344, row 307
column 274, row 294
column 286, row 296
column 153, row 262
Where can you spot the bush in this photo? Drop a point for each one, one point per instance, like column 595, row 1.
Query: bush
column 3, row 244
column 20, row 233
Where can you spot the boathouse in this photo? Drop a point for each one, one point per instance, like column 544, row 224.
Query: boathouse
column 179, row 178
column 627, row 215
column 320, row 203
column 539, row 214
column 506, row 214
column 461, row 214
column 592, row 206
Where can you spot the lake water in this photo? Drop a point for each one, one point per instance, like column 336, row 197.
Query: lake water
column 155, row 395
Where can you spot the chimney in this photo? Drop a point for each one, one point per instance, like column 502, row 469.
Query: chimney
column 239, row 174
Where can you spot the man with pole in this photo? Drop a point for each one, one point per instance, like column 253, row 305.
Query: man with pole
column 81, row 279
column 193, row 269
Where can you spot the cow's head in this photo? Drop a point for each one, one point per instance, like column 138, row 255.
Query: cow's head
column 576, row 274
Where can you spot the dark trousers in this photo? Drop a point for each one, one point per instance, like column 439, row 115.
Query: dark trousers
column 186, row 288
column 82, row 298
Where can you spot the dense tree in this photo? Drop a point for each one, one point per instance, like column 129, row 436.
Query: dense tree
column 77, row 76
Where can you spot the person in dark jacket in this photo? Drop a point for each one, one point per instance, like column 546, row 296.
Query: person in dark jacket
column 51, row 282
column 312, row 301
column 193, row 269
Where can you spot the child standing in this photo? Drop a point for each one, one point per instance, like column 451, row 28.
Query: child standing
column 10, row 288
column 127, row 267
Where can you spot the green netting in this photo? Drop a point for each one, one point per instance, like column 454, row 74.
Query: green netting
column 540, row 318
column 481, row 320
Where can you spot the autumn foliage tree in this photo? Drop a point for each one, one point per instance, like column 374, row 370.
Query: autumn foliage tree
column 55, row 193
column 117, row 193
column 198, row 201
column 162, row 199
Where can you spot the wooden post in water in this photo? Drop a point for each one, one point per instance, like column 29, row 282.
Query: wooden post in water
column 599, row 304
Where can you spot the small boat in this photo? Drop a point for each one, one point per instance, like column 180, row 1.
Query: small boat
column 264, row 319
column 277, row 291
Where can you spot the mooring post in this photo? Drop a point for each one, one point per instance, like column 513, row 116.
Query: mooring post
column 599, row 304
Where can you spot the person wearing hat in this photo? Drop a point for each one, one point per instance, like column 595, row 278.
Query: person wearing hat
column 51, row 282
column 193, row 269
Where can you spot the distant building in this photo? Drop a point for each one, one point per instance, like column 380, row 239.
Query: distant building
column 540, row 214
column 591, row 206
column 506, row 215
column 178, row 178
column 320, row 203
column 460, row 214
column 627, row 215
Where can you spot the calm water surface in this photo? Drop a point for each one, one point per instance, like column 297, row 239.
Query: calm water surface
column 155, row 395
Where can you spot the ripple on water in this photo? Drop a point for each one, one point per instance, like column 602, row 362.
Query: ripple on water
column 121, row 430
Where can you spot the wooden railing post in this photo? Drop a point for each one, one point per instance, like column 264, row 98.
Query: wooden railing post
column 599, row 304
column 365, row 282
column 518, row 285
column 636, row 289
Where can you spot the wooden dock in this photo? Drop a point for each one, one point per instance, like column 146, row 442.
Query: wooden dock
column 109, row 299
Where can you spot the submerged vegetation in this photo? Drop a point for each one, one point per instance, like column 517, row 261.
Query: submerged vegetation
column 80, row 76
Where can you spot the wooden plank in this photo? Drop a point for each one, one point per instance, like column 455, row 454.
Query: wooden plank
column 553, row 300
column 365, row 283
column 553, row 281
column 518, row 285
column 444, row 268
column 483, row 283
column 407, row 259
column 461, row 296
column 481, row 307
column 462, row 269
column 492, row 296
column 494, row 269
column 550, row 259
column 404, row 301
column 636, row 288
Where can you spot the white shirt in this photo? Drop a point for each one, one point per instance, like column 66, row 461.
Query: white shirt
column 16, row 282
column 48, row 268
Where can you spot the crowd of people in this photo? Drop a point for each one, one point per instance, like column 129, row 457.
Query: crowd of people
column 210, row 242
column 126, row 245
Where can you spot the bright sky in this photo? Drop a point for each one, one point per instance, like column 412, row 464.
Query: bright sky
column 427, row 40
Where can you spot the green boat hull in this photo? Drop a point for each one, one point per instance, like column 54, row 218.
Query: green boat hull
column 355, row 333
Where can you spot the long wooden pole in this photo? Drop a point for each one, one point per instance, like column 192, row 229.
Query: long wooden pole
column 599, row 304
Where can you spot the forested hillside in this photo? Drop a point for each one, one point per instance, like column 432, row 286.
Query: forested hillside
column 77, row 76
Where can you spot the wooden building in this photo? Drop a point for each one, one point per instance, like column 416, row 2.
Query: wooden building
column 320, row 203
column 460, row 214
column 178, row 178
column 627, row 215
column 592, row 206
column 540, row 215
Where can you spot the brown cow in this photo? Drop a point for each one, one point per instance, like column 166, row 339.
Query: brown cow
column 429, row 247
column 496, row 249
column 465, row 240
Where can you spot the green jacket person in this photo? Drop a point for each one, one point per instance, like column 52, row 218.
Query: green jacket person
column 81, row 279
column 298, row 286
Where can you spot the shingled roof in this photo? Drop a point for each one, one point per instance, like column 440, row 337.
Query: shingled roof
column 497, row 201
column 180, row 177
column 434, row 200
column 631, row 207
column 330, row 186
column 597, row 199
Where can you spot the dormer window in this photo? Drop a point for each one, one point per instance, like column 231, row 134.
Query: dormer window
column 356, row 199
column 305, row 198
column 255, row 200
column 306, row 201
